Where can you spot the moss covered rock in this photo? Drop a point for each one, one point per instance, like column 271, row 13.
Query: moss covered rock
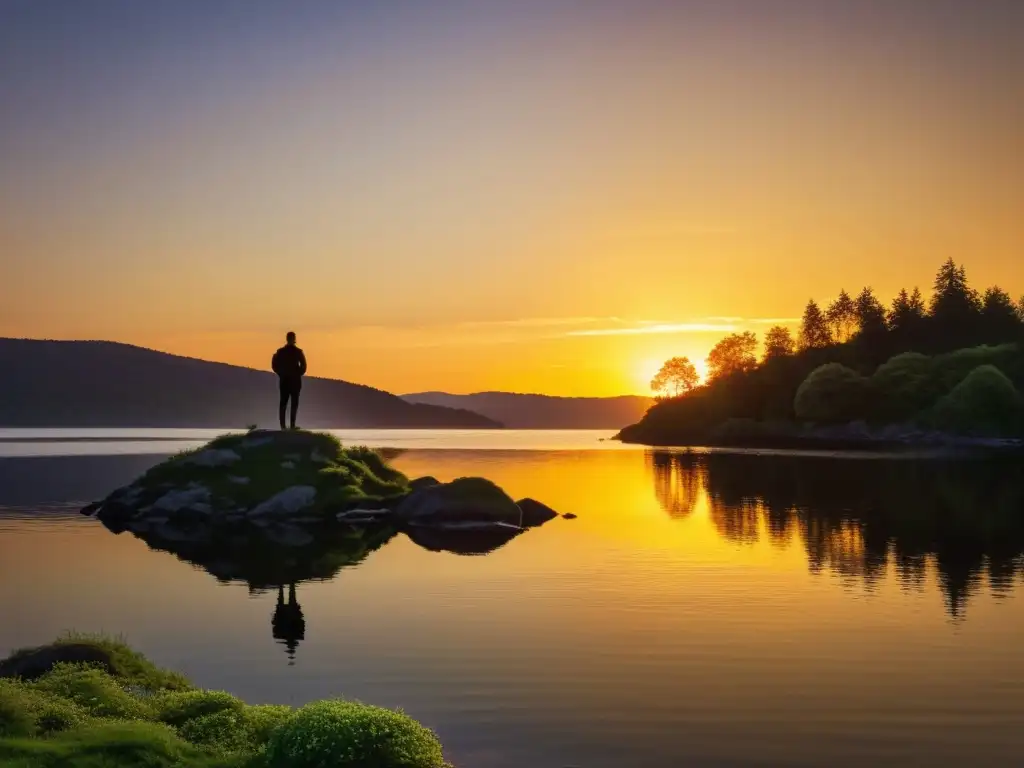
column 254, row 476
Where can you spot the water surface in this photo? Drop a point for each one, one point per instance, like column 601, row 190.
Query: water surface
column 705, row 609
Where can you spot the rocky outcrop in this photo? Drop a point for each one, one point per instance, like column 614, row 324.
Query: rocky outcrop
column 466, row 501
column 534, row 513
column 289, row 488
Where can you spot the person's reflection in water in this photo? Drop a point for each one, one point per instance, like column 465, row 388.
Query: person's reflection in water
column 289, row 626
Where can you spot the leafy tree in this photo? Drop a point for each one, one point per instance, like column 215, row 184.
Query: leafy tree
column 842, row 317
column 736, row 353
column 778, row 342
column 1020, row 309
column 676, row 377
column 999, row 318
column 814, row 332
column 831, row 394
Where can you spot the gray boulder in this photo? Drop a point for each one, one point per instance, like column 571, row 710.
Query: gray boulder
column 287, row 502
column 193, row 497
column 466, row 500
column 535, row 513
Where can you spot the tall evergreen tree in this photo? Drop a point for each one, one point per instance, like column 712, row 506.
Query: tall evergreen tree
column 917, row 308
column 814, row 332
column 955, row 308
column 842, row 317
column 999, row 319
column 870, row 314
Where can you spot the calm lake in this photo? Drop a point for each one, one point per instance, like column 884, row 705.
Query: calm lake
column 705, row 609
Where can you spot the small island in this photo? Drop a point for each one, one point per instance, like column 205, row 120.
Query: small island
column 945, row 377
column 300, row 489
column 92, row 701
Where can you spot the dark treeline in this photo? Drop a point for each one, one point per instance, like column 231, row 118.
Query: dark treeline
column 853, row 335
column 859, row 518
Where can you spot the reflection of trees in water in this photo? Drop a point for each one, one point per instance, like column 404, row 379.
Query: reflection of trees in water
column 858, row 518
column 676, row 487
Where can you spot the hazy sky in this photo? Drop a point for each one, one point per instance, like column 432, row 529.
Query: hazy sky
column 548, row 195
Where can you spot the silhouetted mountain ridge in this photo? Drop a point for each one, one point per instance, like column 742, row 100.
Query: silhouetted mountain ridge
column 109, row 384
column 532, row 411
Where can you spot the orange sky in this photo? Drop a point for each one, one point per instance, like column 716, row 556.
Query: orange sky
column 547, row 198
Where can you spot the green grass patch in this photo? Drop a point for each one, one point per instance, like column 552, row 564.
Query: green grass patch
column 246, row 469
column 124, row 713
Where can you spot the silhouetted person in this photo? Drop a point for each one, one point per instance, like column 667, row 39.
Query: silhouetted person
column 288, row 624
column 289, row 364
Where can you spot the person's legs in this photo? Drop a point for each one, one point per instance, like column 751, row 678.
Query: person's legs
column 295, row 402
column 284, row 402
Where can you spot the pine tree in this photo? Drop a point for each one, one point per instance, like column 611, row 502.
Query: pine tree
column 842, row 317
column 870, row 315
column 814, row 332
column 999, row 319
column 955, row 309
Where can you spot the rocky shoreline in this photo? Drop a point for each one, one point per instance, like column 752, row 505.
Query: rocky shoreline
column 855, row 436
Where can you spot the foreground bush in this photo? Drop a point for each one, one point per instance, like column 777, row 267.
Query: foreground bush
column 343, row 734
column 179, row 707
column 120, row 710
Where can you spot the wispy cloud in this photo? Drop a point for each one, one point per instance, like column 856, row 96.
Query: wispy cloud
column 660, row 328
column 537, row 322
column 774, row 320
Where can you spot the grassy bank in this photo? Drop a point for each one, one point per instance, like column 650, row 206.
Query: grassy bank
column 94, row 702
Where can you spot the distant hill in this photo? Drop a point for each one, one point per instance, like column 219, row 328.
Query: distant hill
column 544, row 411
column 106, row 384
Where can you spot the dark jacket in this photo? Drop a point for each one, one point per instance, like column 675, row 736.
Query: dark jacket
column 289, row 363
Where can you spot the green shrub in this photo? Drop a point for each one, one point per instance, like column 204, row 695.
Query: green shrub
column 903, row 387
column 177, row 707
column 55, row 715
column 985, row 403
column 94, row 690
column 264, row 719
column 220, row 732
column 128, row 664
column 16, row 717
column 953, row 367
column 25, row 711
column 232, row 731
column 831, row 394
column 343, row 734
